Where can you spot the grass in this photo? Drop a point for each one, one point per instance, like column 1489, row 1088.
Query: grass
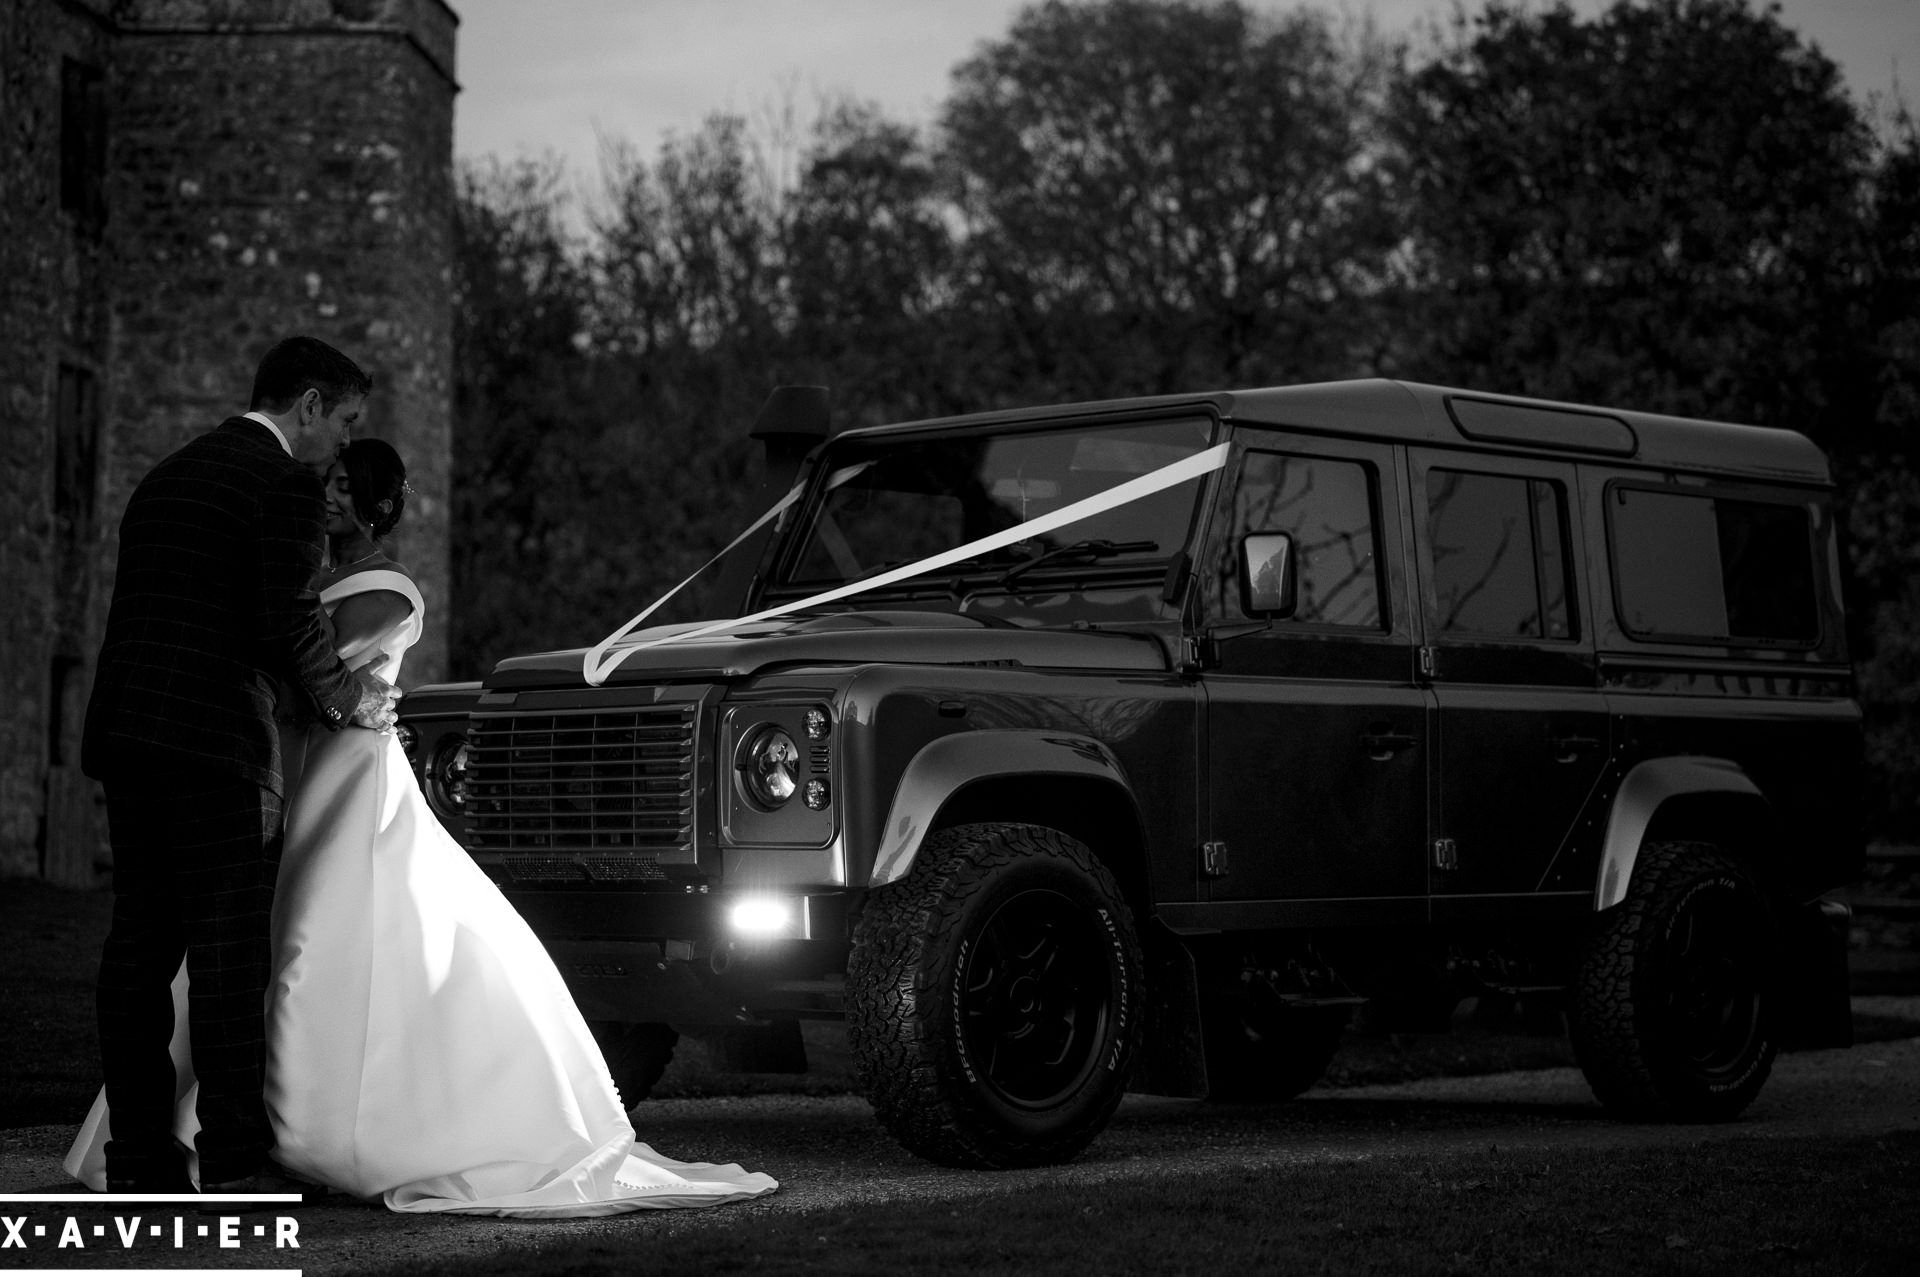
column 1834, row 1206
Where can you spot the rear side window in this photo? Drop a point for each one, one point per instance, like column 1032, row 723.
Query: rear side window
column 1696, row 567
column 1327, row 505
column 1497, row 557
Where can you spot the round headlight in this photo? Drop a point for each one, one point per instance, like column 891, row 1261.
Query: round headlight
column 450, row 771
column 768, row 763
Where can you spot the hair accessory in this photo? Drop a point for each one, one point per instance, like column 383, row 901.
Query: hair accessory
column 406, row 488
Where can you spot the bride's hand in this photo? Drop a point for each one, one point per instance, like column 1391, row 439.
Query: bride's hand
column 377, row 696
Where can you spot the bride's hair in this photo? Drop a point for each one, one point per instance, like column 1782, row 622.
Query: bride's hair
column 378, row 480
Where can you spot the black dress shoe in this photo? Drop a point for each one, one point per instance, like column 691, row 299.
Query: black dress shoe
column 161, row 1173
column 175, row 1182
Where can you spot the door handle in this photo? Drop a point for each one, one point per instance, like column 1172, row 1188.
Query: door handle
column 1567, row 749
column 1381, row 746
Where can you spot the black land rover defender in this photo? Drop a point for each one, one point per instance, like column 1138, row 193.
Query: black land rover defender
column 1356, row 696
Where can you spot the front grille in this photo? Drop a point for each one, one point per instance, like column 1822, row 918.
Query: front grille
column 606, row 781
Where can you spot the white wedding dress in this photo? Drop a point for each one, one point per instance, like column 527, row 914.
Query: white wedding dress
column 421, row 1046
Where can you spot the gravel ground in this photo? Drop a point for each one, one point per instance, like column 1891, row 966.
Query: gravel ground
column 828, row 1152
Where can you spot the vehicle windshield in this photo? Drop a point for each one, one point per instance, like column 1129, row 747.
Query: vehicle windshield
column 896, row 501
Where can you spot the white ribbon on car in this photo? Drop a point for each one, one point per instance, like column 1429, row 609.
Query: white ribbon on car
column 595, row 667
column 598, row 664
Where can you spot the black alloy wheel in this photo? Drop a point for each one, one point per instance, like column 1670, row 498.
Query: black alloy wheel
column 1714, row 1005
column 1034, row 998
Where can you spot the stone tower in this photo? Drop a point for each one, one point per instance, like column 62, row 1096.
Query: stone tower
column 182, row 183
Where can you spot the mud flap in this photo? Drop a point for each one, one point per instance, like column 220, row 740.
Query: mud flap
column 1172, row 1059
column 1815, row 1009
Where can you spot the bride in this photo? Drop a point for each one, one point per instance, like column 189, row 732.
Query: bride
column 421, row 1047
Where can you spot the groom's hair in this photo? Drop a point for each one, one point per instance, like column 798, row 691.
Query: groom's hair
column 299, row 364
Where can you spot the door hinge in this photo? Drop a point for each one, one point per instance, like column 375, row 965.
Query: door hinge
column 1429, row 661
column 1446, row 854
column 1213, row 860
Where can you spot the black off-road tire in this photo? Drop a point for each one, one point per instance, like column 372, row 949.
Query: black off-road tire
column 1268, row 1053
column 636, row 1054
column 1673, row 1006
column 995, row 998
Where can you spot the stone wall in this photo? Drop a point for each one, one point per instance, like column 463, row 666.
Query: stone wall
column 272, row 167
column 289, row 178
column 54, row 313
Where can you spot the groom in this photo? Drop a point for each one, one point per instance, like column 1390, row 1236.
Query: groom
column 214, row 617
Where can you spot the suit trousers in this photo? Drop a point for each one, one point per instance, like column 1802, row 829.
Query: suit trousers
column 194, row 859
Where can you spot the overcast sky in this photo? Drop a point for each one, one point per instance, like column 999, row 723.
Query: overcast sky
column 551, row 76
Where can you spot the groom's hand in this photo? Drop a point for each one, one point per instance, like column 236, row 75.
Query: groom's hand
column 377, row 697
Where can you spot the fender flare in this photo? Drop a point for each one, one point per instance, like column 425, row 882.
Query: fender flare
column 1642, row 792
column 944, row 766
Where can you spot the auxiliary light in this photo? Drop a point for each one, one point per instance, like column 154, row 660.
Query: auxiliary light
column 768, row 918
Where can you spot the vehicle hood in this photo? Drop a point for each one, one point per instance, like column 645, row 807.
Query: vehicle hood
column 842, row 638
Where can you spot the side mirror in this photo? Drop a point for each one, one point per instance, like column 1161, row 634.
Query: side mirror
column 1268, row 585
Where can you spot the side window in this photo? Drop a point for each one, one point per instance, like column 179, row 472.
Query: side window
column 1496, row 555
column 1327, row 505
column 83, row 143
column 1696, row 567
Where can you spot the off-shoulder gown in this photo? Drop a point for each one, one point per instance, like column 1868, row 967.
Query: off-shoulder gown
column 421, row 1046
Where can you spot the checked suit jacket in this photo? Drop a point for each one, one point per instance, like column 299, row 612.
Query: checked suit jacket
column 214, row 612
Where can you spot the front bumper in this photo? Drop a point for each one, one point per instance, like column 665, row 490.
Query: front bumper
column 678, row 956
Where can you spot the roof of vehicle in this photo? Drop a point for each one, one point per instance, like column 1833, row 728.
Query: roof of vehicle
column 1409, row 412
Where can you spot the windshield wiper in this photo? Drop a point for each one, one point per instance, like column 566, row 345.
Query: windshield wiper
column 1088, row 550
column 963, row 565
